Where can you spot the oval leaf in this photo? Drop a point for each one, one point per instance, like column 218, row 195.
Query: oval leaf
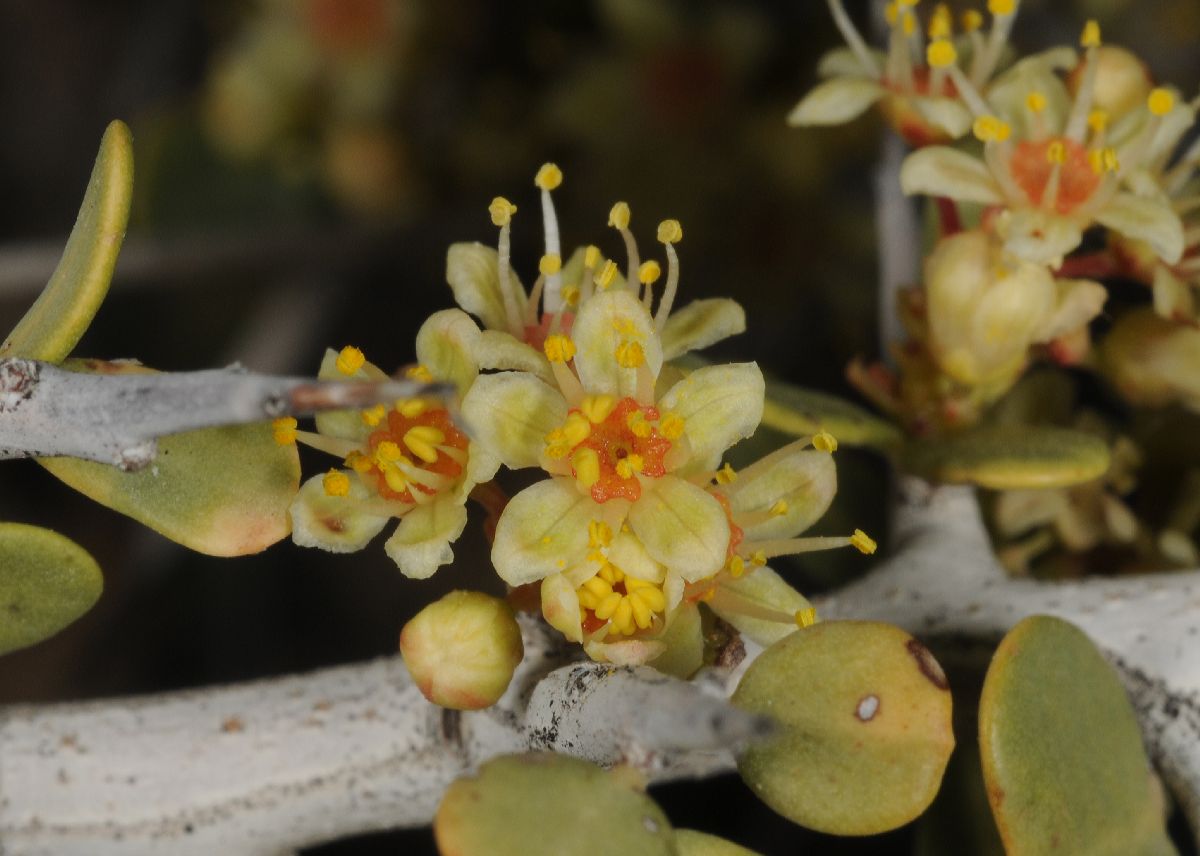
column 691, row 843
column 46, row 582
column 866, row 730
column 800, row 412
column 1062, row 753
column 1011, row 457
column 220, row 491
column 546, row 803
column 58, row 318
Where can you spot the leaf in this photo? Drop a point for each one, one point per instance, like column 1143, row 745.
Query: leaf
column 799, row 412
column 692, row 843
column 58, row 318
column 46, row 582
column 866, row 728
column 1062, row 753
column 545, row 803
column 220, row 491
column 1010, row 457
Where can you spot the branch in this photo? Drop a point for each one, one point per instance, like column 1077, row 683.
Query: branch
column 271, row 766
column 115, row 418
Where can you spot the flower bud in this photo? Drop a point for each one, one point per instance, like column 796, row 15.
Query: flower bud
column 1122, row 81
column 462, row 650
column 1154, row 362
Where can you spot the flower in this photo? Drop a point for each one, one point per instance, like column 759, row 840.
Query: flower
column 914, row 88
column 1053, row 164
column 409, row 461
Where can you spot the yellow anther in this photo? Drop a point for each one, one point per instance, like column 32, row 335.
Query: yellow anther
column 863, row 542
column 350, row 360
column 941, row 23
column 576, row 429
column 891, row 12
column 726, row 475
column 780, row 508
column 941, row 53
column 570, row 295
column 1090, row 37
column 1104, row 160
column 388, row 452
column 549, row 264
column 758, row 558
column 502, row 211
column 618, row 216
column 972, row 20
column 991, row 129
column 283, row 430
column 671, row 426
column 557, row 446
column 394, row 478
column 411, row 407
column 608, row 606
column 670, row 232
column 559, row 348
column 598, row 587
column 737, row 567
column 909, row 23
column 597, row 407
column 825, row 442
column 1161, row 101
column 1035, row 101
column 911, row 4
column 630, row 355
column 1002, row 7
column 419, row 373
column 630, row 464
column 422, row 441
column 636, row 422
column 649, row 272
column 359, row 462
column 372, row 416
column 586, row 464
column 806, row 617
column 1098, row 120
column 599, row 534
column 604, row 277
column 1056, row 152
column 709, row 595
column 591, row 256
column 336, row 483
column 548, row 177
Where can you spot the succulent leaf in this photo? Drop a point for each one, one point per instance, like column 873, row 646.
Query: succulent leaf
column 1011, row 457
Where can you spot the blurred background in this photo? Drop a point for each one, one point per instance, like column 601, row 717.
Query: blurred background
column 301, row 167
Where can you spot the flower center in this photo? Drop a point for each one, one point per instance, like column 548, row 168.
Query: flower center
column 416, row 448
column 1034, row 164
column 625, row 603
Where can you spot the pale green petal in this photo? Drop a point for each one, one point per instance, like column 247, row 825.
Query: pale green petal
column 605, row 321
column 719, row 405
column 804, row 479
column 946, row 114
column 764, row 588
column 346, row 424
column 421, row 543
column 495, row 349
column 628, row 554
column 942, row 171
column 1079, row 301
column 542, row 531
column 844, row 62
column 333, row 523
column 701, row 323
column 473, row 273
column 1038, row 236
column 684, row 643
column 835, row 101
column 1034, row 74
column 446, row 346
column 1147, row 220
column 560, row 606
column 481, row 467
column 510, row 413
column 681, row 526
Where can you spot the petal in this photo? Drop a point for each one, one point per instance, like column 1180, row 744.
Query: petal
column 481, row 467
column 1079, row 301
column 560, row 607
column 605, row 321
column 1037, row 236
column 701, row 323
column 345, row 424
column 1147, row 220
column 333, row 523
column 474, row 276
column 804, row 479
column 942, row 171
column 628, row 554
column 682, row 526
column 495, row 349
column 684, row 643
column 844, row 62
column 446, row 346
column 946, row 114
column 627, row 652
column 509, row 414
column 765, row 588
column 835, row 101
column 421, row 543
column 719, row 406
column 1172, row 295
column 1008, row 93
column 542, row 531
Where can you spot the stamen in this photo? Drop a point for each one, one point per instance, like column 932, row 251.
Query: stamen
column 940, row 56
column 605, row 276
column 330, row 445
column 502, row 212
column 283, row 430
column 863, row 542
column 794, row 546
column 350, row 360
column 648, row 274
column 372, row 416
column 984, row 63
column 1080, row 110
column 1160, row 102
column 559, row 348
column 941, row 23
column 669, row 233
column 853, row 39
column 618, row 218
column 726, row 475
column 825, row 442
column 336, row 483
column 548, row 178
column 597, row 407
column 586, row 463
column 991, row 129
column 591, row 258
column 806, row 617
column 422, row 441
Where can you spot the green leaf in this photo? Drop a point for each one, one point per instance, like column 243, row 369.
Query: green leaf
column 1062, row 755
column 1011, row 457
column 66, row 306
column 220, row 491
column 800, row 412
column 691, row 843
column 866, row 727
column 545, row 803
column 46, row 582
